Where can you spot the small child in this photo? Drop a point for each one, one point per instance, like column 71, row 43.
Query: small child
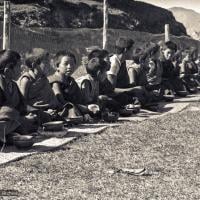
column 90, row 84
column 137, row 70
column 187, row 71
column 114, row 102
column 35, row 87
column 34, row 84
column 64, row 86
column 146, row 71
column 170, row 80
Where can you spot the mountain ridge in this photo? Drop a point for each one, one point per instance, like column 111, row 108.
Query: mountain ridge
column 190, row 19
column 124, row 14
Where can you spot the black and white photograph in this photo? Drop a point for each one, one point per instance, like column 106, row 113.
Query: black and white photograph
column 100, row 99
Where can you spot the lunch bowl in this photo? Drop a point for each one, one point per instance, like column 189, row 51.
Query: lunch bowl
column 125, row 112
column 135, row 108
column 53, row 126
column 110, row 116
column 23, row 141
column 168, row 98
column 74, row 120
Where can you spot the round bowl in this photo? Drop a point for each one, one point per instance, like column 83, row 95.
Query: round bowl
column 126, row 112
column 181, row 93
column 53, row 126
column 110, row 116
column 23, row 141
column 135, row 108
column 168, row 98
column 75, row 120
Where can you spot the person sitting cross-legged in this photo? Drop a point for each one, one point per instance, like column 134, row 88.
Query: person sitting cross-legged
column 170, row 79
column 188, row 69
column 89, row 83
column 146, row 71
column 118, row 74
column 36, row 89
column 64, row 86
column 14, row 118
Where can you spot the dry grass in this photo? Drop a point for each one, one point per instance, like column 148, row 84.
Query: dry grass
column 169, row 146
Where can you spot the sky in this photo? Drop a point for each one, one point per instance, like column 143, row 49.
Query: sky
column 189, row 4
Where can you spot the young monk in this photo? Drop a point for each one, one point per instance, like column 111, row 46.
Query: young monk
column 172, row 83
column 137, row 69
column 35, row 87
column 118, row 75
column 195, row 68
column 115, row 102
column 197, row 62
column 63, row 84
column 89, row 84
column 14, row 120
column 34, row 84
column 147, row 72
column 187, row 71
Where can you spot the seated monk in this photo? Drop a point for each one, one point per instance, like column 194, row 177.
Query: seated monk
column 14, row 119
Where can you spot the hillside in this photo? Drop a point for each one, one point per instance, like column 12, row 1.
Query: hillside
column 124, row 14
column 190, row 19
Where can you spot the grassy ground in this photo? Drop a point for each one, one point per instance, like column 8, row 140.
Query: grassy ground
column 168, row 146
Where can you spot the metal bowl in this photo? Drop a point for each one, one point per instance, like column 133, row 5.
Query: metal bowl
column 126, row 112
column 74, row 120
column 168, row 98
column 23, row 141
column 53, row 126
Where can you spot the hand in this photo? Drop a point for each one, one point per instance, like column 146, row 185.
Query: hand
column 31, row 116
column 51, row 111
column 94, row 108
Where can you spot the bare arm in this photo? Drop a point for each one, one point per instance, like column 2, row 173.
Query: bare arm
column 58, row 93
column 112, row 79
column 24, row 87
column 113, row 71
column 132, row 76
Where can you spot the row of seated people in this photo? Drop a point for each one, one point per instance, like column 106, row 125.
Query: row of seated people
column 126, row 80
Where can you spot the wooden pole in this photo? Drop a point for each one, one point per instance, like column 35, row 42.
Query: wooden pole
column 167, row 33
column 105, row 23
column 6, row 25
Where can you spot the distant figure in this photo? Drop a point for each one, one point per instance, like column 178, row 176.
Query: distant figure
column 170, row 79
column 147, row 72
column 188, row 70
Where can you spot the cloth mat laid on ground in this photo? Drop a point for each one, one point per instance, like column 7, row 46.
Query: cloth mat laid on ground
column 165, row 108
column 11, row 153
